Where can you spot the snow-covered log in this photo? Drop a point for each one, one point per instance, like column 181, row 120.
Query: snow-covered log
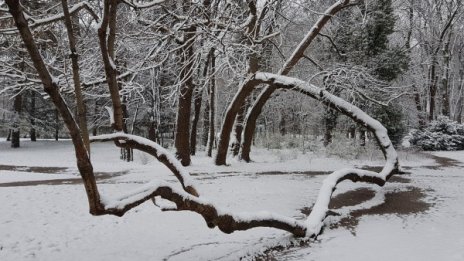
column 136, row 142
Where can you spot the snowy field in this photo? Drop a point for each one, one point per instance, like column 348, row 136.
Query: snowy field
column 45, row 216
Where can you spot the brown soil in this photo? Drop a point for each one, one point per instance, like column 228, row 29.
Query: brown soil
column 45, row 170
column 410, row 201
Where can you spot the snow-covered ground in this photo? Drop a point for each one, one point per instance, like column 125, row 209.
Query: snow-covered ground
column 50, row 220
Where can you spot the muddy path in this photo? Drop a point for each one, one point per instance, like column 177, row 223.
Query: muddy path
column 101, row 177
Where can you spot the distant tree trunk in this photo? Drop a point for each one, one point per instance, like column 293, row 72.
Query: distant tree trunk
column 196, row 117
column 330, row 121
column 57, row 125
column 460, row 104
column 432, row 88
column 182, row 134
column 282, row 126
column 205, row 135
column 18, row 103
column 362, row 137
column 445, row 78
column 95, row 117
column 8, row 138
column 32, row 115
column 238, row 129
column 212, row 107
column 126, row 153
column 420, row 111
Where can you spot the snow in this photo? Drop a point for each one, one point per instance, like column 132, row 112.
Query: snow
column 145, row 233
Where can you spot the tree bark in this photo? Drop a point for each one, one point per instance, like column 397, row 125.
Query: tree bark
column 196, row 119
column 212, row 107
column 330, row 121
column 32, row 131
column 15, row 136
column 182, row 135
column 81, row 110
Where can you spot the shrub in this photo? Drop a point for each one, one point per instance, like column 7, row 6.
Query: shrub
column 441, row 134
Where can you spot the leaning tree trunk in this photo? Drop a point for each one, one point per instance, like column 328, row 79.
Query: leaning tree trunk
column 257, row 107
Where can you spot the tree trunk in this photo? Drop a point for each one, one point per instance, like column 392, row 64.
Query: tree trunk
column 196, row 118
column 432, row 89
column 81, row 108
column 182, row 134
column 57, row 125
column 32, row 115
column 256, row 108
column 205, row 134
column 212, row 107
column 18, row 103
column 250, row 122
column 238, row 129
column 330, row 121
column 445, row 78
column 8, row 138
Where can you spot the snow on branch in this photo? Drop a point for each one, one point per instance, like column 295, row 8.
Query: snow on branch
column 34, row 22
column 136, row 142
column 315, row 220
column 141, row 5
column 225, row 220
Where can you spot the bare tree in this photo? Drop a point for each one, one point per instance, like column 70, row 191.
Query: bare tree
column 188, row 197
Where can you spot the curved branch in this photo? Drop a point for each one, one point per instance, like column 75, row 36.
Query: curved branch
column 225, row 220
column 136, row 142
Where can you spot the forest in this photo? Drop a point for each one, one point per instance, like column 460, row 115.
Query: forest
column 197, row 90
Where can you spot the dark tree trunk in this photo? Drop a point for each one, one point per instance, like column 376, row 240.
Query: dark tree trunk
column 362, row 137
column 250, row 122
column 445, row 78
column 196, row 118
column 330, row 121
column 182, row 134
column 18, row 103
column 204, row 136
column 212, row 107
column 57, row 125
column 8, row 138
column 32, row 114
column 432, row 89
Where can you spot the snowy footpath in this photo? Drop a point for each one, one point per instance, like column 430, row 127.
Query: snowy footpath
column 44, row 212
